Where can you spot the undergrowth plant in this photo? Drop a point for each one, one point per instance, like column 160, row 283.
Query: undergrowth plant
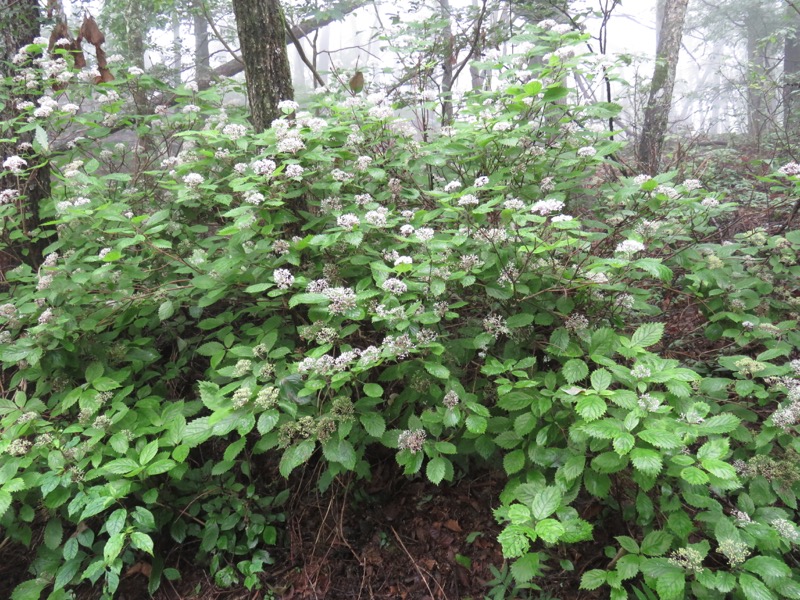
column 211, row 302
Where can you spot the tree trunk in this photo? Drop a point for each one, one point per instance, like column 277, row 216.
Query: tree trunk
column 756, row 67
column 447, row 66
column 262, row 39
column 656, row 114
column 202, row 59
column 177, row 49
column 791, row 74
column 19, row 25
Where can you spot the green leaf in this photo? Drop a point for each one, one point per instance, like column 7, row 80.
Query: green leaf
column 661, row 438
column 526, row 567
column 116, row 521
column 113, row 547
column 647, row 335
column 373, row 390
column 160, row 466
column 591, row 580
column 647, row 461
column 267, row 421
column 53, row 533
column 591, row 407
column 142, row 541
column 719, row 468
column 513, row 462
column 307, row 298
column 694, row 476
column 550, row 530
column 296, row 455
column 373, row 423
column 601, row 379
column 340, row 451
column 67, row 573
column 476, row 424
column 166, row 310
column 724, row 423
column 671, row 584
column 29, row 590
column 767, row 567
column 437, row 370
column 753, row 588
column 656, row 543
column 233, row 450
column 628, row 543
column 574, row 370
column 148, row 452
column 628, row 566
column 546, row 502
column 520, row 320
column 436, row 469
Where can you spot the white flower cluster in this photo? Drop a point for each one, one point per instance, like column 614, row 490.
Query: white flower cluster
column 15, row 164
column 283, row 278
column 545, row 207
column 264, row 167
column 629, row 247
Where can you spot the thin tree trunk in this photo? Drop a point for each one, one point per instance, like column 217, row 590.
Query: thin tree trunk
column 19, row 25
column 262, row 38
column 791, row 74
column 202, row 58
column 177, row 50
column 447, row 66
column 656, row 114
column 756, row 118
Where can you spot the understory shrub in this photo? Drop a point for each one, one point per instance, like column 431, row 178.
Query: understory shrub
column 490, row 294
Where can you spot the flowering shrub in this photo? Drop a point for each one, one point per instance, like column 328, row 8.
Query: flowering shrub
column 486, row 295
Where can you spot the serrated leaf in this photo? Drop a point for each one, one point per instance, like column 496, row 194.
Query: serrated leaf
column 754, row 589
column 591, row 407
column 307, row 298
column 113, row 547
column 724, row 423
column 719, row 468
column 656, row 543
column 546, row 502
column 694, row 476
column 476, row 424
column 513, row 462
column 647, row 461
column 574, row 370
column 671, row 585
column 340, row 451
column 661, row 438
column 165, row 310
column 550, row 530
column 267, row 421
column 142, row 542
column 148, row 452
column 436, row 470
column 296, row 455
column 29, row 590
column 520, row 320
column 591, row 580
column 647, row 334
column 767, row 567
column 233, row 450
column 526, row 567
column 437, row 370
column 53, row 533
column 628, row 566
column 373, row 423
column 601, row 379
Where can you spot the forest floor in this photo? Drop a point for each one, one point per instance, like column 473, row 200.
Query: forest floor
column 394, row 538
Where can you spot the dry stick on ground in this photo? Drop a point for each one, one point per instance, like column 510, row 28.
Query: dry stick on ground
column 420, row 569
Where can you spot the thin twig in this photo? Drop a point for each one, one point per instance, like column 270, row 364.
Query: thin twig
column 418, row 568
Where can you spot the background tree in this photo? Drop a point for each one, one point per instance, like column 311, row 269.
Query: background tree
column 262, row 38
column 656, row 115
